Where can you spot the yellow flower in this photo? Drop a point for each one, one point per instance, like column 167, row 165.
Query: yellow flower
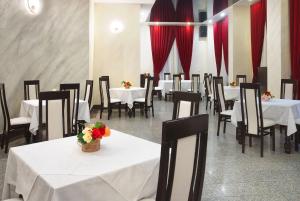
column 87, row 137
column 87, row 130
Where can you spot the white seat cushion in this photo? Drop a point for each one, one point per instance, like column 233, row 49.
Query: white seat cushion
column 20, row 121
column 14, row 199
column 227, row 112
column 114, row 100
column 158, row 88
column 268, row 123
column 140, row 100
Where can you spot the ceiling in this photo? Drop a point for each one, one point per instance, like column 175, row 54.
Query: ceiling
column 126, row 1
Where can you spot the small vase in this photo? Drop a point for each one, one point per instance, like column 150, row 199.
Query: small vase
column 91, row 147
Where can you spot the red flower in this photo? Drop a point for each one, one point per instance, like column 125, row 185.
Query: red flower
column 102, row 131
column 96, row 133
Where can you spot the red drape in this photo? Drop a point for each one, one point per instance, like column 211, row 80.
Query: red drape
column 218, row 45
column 162, row 37
column 258, row 22
column 221, row 35
column 295, row 40
column 225, row 41
column 185, row 34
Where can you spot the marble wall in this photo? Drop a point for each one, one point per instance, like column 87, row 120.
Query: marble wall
column 52, row 46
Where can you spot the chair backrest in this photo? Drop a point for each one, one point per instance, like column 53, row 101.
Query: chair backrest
column 167, row 76
column 57, row 114
column 195, row 83
column 31, row 89
column 5, row 111
column 88, row 94
column 210, row 76
column 252, row 115
column 176, row 82
column 288, row 89
column 142, row 80
column 104, row 91
column 241, row 79
column 219, row 91
column 183, row 158
column 185, row 104
column 182, row 76
column 207, row 85
column 214, row 91
column 74, row 89
column 149, row 91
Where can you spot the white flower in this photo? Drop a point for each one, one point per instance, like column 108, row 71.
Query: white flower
column 88, row 137
column 87, row 130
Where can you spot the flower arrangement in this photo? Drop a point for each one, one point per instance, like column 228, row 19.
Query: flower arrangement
column 232, row 84
column 126, row 84
column 90, row 137
column 267, row 96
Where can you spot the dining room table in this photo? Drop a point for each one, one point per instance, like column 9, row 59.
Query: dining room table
column 125, row 168
column 30, row 108
column 166, row 85
column 232, row 92
column 282, row 111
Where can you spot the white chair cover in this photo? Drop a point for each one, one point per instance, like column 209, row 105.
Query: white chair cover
column 176, row 84
column 184, row 109
column 32, row 91
column 149, row 98
column 288, row 91
column 87, row 94
column 251, row 112
column 221, row 96
column 55, row 120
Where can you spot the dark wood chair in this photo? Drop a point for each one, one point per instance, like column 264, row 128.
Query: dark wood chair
column 253, row 123
column 195, row 84
column 241, row 79
column 185, row 104
column 31, row 89
column 12, row 128
column 74, row 89
column 215, row 79
column 182, row 76
column 208, row 90
column 105, row 101
column 167, row 76
column 288, row 89
column 183, row 159
column 57, row 113
column 147, row 102
column 88, row 93
column 224, row 115
column 176, row 86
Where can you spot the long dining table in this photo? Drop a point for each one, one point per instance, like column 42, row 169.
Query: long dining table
column 125, row 168
column 282, row 111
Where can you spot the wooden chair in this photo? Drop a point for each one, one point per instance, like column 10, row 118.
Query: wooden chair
column 288, row 89
column 214, row 91
column 253, row 123
column 223, row 112
column 12, row 128
column 105, row 101
column 185, row 104
column 31, row 89
column 208, row 90
column 167, row 76
column 182, row 76
column 88, row 93
column 175, row 87
column 241, row 79
column 74, row 89
column 147, row 102
column 57, row 113
column 195, row 85
column 183, row 158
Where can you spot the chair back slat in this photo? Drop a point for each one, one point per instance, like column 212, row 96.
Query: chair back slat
column 252, row 116
column 88, row 94
column 58, row 114
column 195, row 83
column 207, row 84
column 185, row 104
column 219, row 90
column 176, row 82
column 149, row 91
column 181, row 173
column 288, row 89
column 104, row 91
column 74, row 89
column 218, row 79
column 31, row 89
column 5, row 111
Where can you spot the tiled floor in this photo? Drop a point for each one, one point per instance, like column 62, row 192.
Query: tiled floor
column 230, row 175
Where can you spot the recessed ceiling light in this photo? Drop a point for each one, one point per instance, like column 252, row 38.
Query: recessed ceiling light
column 223, row 14
column 33, row 7
column 116, row 26
column 210, row 21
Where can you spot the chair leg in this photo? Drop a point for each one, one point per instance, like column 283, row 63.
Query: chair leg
column 219, row 124
column 261, row 144
column 206, row 103
column 243, row 138
column 120, row 110
column 108, row 112
column 6, row 143
column 250, row 141
column 101, row 111
column 28, row 136
column 297, row 141
column 146, row 110
column 224, row 128
column 273, row 138
column 159, row 95
column 152, row 110
column 2, row 140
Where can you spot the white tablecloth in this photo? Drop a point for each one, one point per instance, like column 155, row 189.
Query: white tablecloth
column 232, row 93
column 281, row 111
column 30, row 108
column 125, row 169
column 128, row 95
column 166, row 85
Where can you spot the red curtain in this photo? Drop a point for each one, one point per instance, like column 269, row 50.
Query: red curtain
column 218, row 45
column 295, row 40
column 185, row 34
column 162, row 37
column 258, row 22
column 225, row 41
